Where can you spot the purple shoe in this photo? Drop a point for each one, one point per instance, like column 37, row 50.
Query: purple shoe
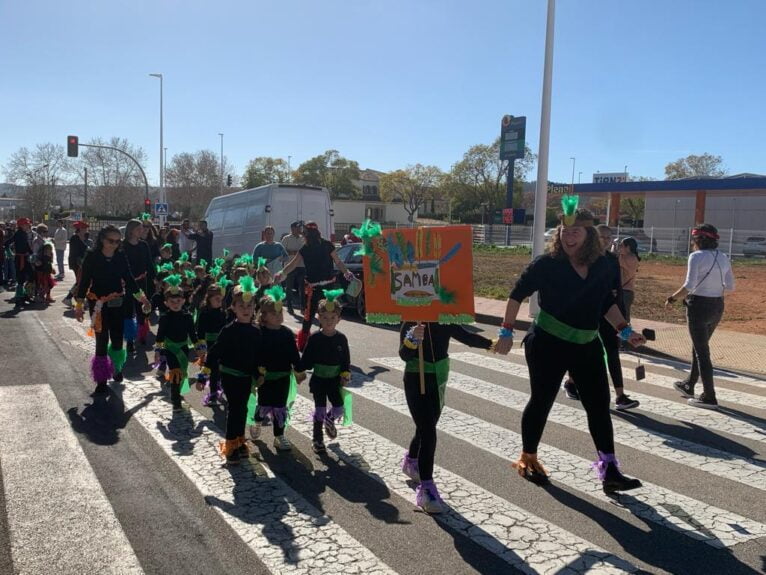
column 428, row 499
column 410, row 468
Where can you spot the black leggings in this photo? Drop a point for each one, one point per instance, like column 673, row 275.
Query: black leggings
column 425, row 411
column 111, row 329
column 310, row 309
column 237, row 390
column 612, row 349
column 549, row 358
column 172, row 363
column 323, row 389
column 272, row 393
column 134, row 309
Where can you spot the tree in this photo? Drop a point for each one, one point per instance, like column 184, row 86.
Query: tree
column 478, row 181
column 265, row 170
column 332, row 171
column 117, row 184
column 633, row 208
column 693, row 166
column 193, row 180
column 40, row 171
column 412, row 186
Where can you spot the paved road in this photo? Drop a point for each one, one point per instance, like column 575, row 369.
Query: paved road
column 122, row 485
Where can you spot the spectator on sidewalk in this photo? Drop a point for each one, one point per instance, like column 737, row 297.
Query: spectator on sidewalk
column 292, row 243
column 60, row 240
column 629, row 258
column 708, row 277
column 78, row 246
column 38, row 238
column 185, row 241
column 274, row 252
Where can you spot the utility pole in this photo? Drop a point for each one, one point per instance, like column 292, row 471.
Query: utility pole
column 220, row 184
column 85, row 193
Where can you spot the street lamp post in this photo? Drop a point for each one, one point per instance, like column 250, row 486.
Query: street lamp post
column 162, row 148
column 289, row 171
column 675, row 235
column 578, row 176
column 220, row 184
column 573, row 170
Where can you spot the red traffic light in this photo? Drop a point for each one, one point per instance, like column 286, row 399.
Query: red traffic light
column 72, row 146
column 147, row 206
column 147, row 202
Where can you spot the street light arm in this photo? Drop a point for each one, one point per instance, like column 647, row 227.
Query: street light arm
column 146, row 182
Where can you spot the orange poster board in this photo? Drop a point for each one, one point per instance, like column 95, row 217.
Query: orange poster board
column 420, row 274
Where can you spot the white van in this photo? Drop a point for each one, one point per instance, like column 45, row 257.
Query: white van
column 238, row 219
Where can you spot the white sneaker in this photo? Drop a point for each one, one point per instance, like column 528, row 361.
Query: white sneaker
column 255, row 430
column 282, row 443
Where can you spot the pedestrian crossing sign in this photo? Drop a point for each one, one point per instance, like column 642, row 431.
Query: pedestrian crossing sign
column 161, row 209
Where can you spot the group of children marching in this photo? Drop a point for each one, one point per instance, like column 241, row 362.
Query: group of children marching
column 231, row 313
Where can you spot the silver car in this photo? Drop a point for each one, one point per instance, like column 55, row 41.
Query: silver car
column 754, row 246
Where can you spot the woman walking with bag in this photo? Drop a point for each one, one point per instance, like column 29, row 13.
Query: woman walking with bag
column 708, row 276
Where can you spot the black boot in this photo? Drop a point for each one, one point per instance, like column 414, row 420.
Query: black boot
column 131, row 347
column 614, row 481
column 318, row 438
column 101, row 388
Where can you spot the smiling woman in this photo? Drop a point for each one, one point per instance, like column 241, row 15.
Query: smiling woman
column 575, row 284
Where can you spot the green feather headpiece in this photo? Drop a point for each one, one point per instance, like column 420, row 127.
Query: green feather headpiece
column 569, row 204
column 332, row 295
column 226, row 253
column 184, row 257
column 367, row 232
column 215, row 271
column 167, row 246
column 261, row 263
column 219, row 262
column 203, row 263
column 189, row 274
column 276, row 294
column 244, row 261
column 173, row 283
column 145, row 217
column 247, row 287
column 224, row 282
column 166, row 267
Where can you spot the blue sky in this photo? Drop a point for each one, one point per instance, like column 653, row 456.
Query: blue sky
column 390, row 82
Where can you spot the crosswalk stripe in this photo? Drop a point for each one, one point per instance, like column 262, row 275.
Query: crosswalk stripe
column 518, row 537
column 59, row 518
column 749, row 427
column 691, row 517
column 286, row 532
column 700, row 457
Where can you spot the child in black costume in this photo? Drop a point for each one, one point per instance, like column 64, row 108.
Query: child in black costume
column 210, row 321
column 235, row 354
column 327, row 353
column 279, row 357
column 175, row 333
column 425, row 409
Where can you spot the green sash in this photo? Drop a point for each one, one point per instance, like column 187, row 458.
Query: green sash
column 326, row 371
column 176, row 348
column 252, row 402
column 232, row 371
column 440, row 369
column 559, row 329
column 211, row 338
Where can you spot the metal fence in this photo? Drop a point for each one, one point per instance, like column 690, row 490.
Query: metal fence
column 666, row 241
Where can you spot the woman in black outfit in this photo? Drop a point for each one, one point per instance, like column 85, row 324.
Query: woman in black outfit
column 142, row 267
column 318, row 255
column 574, row 282
column 104, row 272
column 418, row 462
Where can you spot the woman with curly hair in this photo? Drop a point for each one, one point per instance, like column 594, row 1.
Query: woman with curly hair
column 575, row 284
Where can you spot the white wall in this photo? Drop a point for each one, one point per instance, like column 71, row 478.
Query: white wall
column 354, row 212
column 744, row 213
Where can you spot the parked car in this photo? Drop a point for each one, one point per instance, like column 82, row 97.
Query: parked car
column 550, row 233
column 645, row 243
column 754, row 246
column 347, row 255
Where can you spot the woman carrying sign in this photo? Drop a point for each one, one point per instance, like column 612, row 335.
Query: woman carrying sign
column 573, row 281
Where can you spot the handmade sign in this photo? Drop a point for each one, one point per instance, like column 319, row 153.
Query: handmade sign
column 418, row 274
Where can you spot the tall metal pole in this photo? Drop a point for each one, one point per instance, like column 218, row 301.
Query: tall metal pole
column 85, row 193
column 220, row 184
column 573, row 168
column 163, row 199
column 289, row 171
column 541, row 191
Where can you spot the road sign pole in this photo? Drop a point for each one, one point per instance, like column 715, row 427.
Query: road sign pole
column 509, row 184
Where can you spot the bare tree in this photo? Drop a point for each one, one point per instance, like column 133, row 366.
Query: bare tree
column 193, row 180
column 412, row 186
column 692, row 166
column 40, row 171
column 116, row 182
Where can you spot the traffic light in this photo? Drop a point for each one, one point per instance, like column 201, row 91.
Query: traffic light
column 228, row 181
column 72, row 146
column 147, row 206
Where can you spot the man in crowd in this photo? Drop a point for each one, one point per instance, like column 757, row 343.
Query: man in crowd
column 293, row 242
column 60, row 240
column 204, row 240
column 185, row 242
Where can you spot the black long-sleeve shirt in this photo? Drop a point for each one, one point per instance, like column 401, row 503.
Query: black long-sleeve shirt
column 238, row 347
column 20, row 242
column 279, row 351
column 204, row 245
column 104, row 276
column 326, row 350
column 77, row 250
column 140, row 259
column 210, row 320
column 564, row 294
column 436, row 341
column 177, row 326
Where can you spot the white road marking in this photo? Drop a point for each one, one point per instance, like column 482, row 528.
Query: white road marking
column 527, row 542
column 59, row 518
column 749, row 427
column 691, row 517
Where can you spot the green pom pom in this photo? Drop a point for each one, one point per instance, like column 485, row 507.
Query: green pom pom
column 189, row 274
column 184, row 257
column 446, row 296
column 367, row 232
column 275, row 293
column 203, row 263
column 332, row 294
column 224, row 282
column 247, row 284
column 174, row 280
